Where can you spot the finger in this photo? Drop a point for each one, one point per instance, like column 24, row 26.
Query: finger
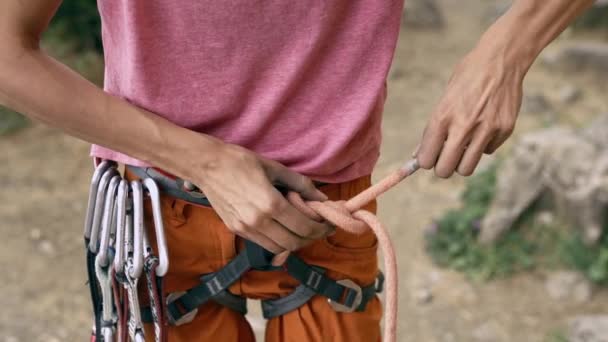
column 450, row 156
column 473, row 152
column 300, row 224
column 280, row 258
column 498, row 140
column 432, row 142
column 297, row 182
column 283, row 236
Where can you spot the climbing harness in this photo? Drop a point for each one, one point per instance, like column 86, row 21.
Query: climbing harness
column 343, row 295
column 134, row 257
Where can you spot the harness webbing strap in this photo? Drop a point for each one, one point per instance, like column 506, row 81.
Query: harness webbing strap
column 302, row 294
column 211, row 286
column 316, row 281
column 313, row 281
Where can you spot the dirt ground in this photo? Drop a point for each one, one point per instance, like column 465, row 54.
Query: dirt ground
column 44, row 182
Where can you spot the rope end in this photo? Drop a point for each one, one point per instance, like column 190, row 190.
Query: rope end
column 410, row 166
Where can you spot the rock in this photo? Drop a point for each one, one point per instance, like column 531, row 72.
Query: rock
column 424, row 14
column 545, row 218
column 46, row 247
column 423, row 296
column 588, row 328
column 487, row 332
column 586, row 55
column 569, row 94
column 536, row 103
column 597, row 131
column 35, row 234
column 567, row 285
column 555, row 163
column 11, row 339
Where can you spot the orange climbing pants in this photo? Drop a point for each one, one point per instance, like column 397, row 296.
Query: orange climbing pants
column 200, row 243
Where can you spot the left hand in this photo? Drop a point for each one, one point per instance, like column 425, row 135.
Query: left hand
column 476, row 114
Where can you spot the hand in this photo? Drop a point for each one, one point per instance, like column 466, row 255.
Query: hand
column 239, row 185
column 476, row 114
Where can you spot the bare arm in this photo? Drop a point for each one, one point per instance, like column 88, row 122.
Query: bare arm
column 478, row 110
column 237, row 182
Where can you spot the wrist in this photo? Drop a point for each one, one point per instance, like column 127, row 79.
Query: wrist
column 187, row 154
column 510, row 43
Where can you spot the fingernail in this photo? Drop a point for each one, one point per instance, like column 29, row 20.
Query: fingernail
column 321, row 195
column 280, row 258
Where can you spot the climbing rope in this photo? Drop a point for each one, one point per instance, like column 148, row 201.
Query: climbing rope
column 349, row 216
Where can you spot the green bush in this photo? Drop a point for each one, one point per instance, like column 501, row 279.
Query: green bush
column 10, row 121
column 596, row 17
column 452, row 241
column 591, row 261
column 79, row 22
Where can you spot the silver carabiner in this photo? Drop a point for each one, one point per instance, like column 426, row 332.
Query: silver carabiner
column 107, row 222
column 138, row 230
column 159, row 228
column 95, row 182
column 121, row 222
column 99, row 208
column 134, row 235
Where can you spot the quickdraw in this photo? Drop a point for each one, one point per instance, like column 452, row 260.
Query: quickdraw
column 155, row 267
column 119, row 253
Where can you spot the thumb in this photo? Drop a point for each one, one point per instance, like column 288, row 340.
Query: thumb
column 295, row 182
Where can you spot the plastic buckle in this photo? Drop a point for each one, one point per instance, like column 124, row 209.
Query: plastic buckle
column 379, row 283
column 349, row 284
column 189, row 188
column 186, row 318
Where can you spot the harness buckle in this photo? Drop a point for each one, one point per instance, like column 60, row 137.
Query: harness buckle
column 186, row 318
column 340, row 307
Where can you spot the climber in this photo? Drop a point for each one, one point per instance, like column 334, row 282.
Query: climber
column 232, row 103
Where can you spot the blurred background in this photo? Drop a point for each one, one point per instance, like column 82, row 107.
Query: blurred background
column 517, row 252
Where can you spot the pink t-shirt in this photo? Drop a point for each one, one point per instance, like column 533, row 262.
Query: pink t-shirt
column 301, row 82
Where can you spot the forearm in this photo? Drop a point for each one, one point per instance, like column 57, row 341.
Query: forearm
column 33, row 83
column 519, row 36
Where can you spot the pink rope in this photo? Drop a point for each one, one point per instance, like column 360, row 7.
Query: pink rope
column 349, row 216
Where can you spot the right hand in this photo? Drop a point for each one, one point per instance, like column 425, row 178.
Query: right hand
column 239, row 186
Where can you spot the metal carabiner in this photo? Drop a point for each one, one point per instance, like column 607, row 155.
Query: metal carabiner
column 121, row 222
column 134, row 264
column 159, row 228
column 102, row 271
column 108, row 222
column 138, row 230
column 93, row 235
column 95, row 181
